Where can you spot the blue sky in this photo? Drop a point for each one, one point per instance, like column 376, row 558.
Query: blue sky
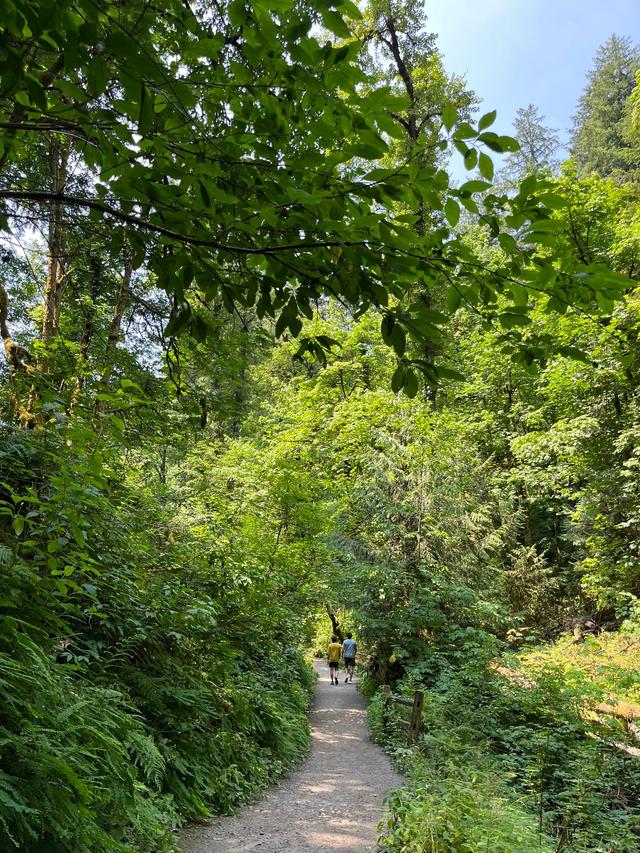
column 517, row 52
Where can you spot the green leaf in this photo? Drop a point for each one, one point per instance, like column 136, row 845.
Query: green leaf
column 335, row 23
column 209, row 48
column 487, row 120
column 199, row 328
column 469, row 204
column 508, row 143
column 398, row 339
column 411, row 384
column 509, row 319
column 452, row 212
column 368, row 150
column 508, row 243
column 237, row 13
column 449, row 373
column 519, row 293
column 18, row 524
column 552, row 201
column 178, row 323
column 281, row 323
column 146, row 116
column 398, row 379
column 449, row 116
column 464, row 131
column 545, row 226
column 492, row 141
column 474, row 187
column 485, row 164
column 350, row 9
column 470, row 159
column 295, row 326
column 454, row 299
column 574, row 353
column 98, row 76
column 386, row 328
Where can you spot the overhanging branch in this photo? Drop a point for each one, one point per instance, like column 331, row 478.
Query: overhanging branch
column 188, row 239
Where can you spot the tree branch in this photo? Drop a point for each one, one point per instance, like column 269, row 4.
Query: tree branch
column 189, row 239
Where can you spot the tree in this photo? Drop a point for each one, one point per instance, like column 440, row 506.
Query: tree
column 538, row 143
column 599, row 138
column 402, row 54
column 229, row 153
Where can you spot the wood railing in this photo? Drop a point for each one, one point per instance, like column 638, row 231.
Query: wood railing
column 414, row 724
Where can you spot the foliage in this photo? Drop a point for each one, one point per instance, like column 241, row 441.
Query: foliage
column 453, row 806
column 600, row 142
column 235, row 157
column 251, row 248
column 136, row 696
column 513, row 763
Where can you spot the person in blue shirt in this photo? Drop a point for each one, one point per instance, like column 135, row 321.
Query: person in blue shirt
column 349, row 649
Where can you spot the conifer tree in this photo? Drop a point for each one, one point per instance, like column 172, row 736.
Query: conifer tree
column 539, row 145
column 599, row 139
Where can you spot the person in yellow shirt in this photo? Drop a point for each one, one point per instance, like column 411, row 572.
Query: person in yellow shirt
column 333, row 655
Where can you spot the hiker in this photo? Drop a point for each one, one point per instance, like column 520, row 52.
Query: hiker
column 333, row 654
column 349, row 649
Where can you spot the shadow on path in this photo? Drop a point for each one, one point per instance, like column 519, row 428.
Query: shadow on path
column 332, row 802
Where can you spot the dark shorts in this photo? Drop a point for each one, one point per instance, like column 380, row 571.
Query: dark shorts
column 349, row 661
column 334, row 664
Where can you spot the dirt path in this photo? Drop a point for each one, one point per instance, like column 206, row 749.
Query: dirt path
column 333, row 802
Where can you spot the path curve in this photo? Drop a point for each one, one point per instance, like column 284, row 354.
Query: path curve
column 332, row 802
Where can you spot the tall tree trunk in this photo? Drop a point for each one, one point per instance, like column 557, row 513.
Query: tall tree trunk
column 58, row 162
column 413, row 128
column 59, row 159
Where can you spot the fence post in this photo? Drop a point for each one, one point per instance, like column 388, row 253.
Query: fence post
column 416, row 717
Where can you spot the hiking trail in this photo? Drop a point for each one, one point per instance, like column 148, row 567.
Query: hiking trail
column 332, row 802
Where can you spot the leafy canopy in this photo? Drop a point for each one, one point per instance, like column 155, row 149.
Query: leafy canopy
column 230, row 146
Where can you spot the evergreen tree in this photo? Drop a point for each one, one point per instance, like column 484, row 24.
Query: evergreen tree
column 600, row 140
column 539, row 145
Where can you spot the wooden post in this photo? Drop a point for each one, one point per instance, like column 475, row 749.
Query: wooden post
column 416, row 717
column 386, row 696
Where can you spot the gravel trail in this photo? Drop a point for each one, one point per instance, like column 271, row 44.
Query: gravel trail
column 332, row 802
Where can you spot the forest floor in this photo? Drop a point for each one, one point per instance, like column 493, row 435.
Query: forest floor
column 332, row 802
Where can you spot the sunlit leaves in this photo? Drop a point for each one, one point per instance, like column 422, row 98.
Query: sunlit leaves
column 449, row 116
column 255, row 155
column 487, row 120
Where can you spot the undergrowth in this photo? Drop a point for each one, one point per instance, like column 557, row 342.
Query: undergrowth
column 513, row 763
column 137, row 690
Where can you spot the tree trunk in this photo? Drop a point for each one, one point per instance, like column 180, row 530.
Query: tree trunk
column 335, row 625
column 59, row 159
column 410, row 124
